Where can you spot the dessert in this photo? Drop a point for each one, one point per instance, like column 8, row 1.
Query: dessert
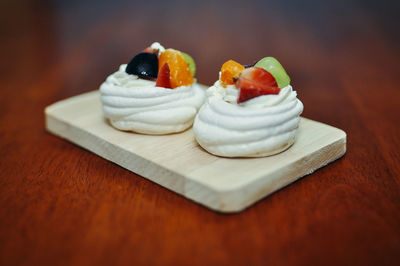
column 156, row 93
column 251, row 111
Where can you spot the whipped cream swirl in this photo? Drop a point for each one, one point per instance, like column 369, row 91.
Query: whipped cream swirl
column 135, row 104
column 262, row 126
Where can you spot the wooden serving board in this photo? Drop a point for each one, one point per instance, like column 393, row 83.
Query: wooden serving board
column 178, row 163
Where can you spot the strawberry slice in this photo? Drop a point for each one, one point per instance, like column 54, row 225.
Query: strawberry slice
column 163, row 79
column 254, row 82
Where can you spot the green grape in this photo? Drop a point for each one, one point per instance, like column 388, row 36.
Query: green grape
column 190, row 61
column 276, row 69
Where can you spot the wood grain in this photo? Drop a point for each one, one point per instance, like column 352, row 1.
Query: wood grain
column 178, row 163
column 62, row 205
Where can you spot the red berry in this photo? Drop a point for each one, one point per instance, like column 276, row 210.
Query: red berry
column 150, row 50
column 163, row 79
column 254, row 82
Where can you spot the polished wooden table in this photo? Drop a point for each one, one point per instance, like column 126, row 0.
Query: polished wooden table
column 62, row 205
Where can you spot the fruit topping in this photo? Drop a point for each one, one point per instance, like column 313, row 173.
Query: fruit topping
column 276, row 69
column 189, row 60
column 155, row 48
column 228, row 71
column 255, row 81
column 163, row 79
column 150, row 50
column 180, row 74
column 145, row 65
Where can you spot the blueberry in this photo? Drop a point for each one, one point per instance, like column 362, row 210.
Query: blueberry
column 145, row 65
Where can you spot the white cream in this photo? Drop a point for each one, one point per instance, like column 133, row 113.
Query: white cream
column 134, row 104
column 262, row 126
column 157, row 46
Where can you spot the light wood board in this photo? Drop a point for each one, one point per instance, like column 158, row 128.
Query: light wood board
column 178, row 163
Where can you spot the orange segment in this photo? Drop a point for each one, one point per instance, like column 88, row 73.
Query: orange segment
column 180, row 74
column 229, row 70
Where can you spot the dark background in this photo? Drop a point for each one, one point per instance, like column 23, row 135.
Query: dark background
column 61, row 205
